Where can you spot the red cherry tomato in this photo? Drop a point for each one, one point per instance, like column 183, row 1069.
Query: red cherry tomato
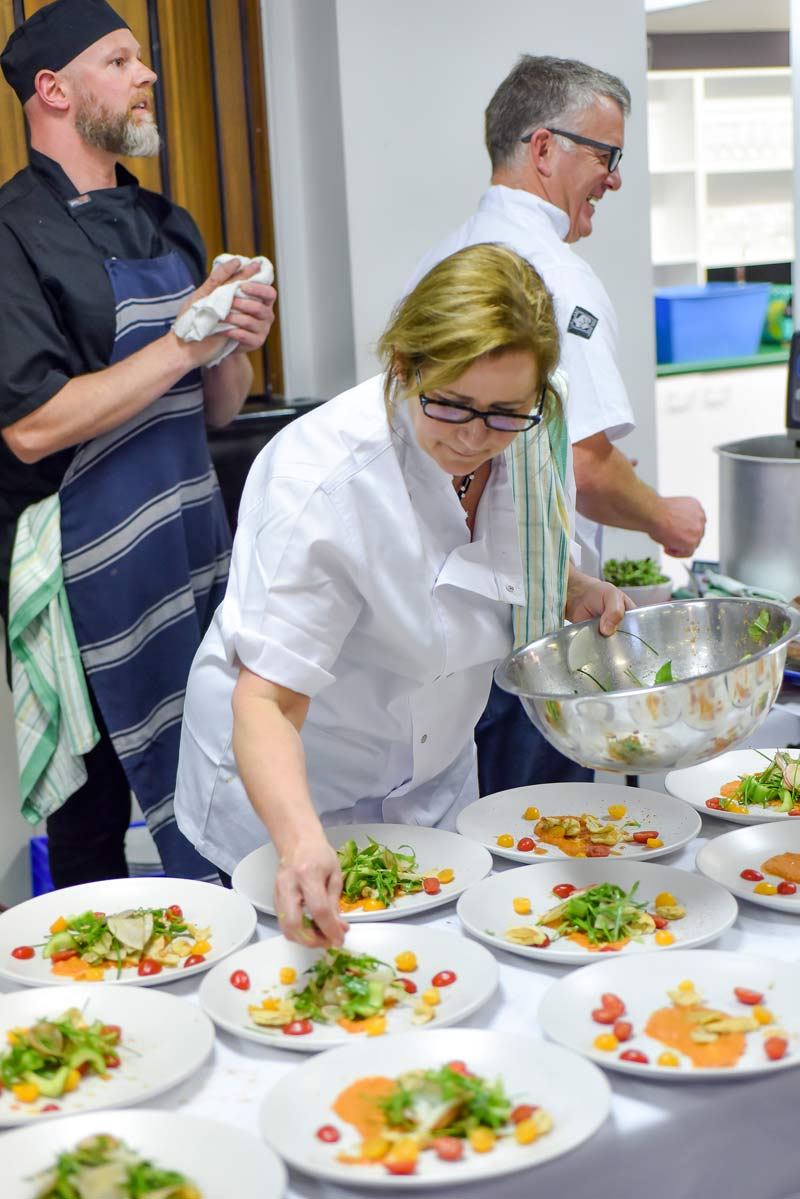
column 194, row 959
column 112, row 1061
column 147, row 966
column 51, row 1107
column 602, row 1015
column 407, row 985
column 175, row 911
column 746, row 996
column 623, row 1030
column 241, row 980
column 543, row 944
column 794, row 811
column 401, row 1167
column 84, row 1069
column 634, row 1055
column 658, row 921
column 523, row 1111
column 99, row 915
column 431, row 886
column 445, row 978
column 525, row 845
column 63, row 955
column 643, row 835
column 612, row 1003
column 752, row 876
column 328, row 1134
column 714, row 804
column 448, row 1149
column 775, row 1048
column 298, row 1028
column 23, row 952
column 786, row 888
column 563, row 890
column 112, row 1030
column 459, row 1067
column 597, row 851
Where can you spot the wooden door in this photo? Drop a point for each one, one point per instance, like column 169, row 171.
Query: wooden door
column 211, row 110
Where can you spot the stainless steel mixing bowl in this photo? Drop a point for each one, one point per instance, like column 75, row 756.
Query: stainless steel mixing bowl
column 581, row 692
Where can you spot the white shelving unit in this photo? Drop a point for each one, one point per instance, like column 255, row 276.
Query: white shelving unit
column 720, row 145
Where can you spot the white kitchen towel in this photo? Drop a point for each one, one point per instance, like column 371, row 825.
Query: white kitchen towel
column 207, row 316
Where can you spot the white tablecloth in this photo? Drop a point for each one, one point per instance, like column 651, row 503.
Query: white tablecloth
column 736, row 1140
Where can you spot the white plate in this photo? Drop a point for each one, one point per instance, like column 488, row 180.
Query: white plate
column 219, row 1158
column 488, row 818
column 696, row 784
column 642, row 984
column 474, row 967
column 231, row 918
column 725, row 857
column 574, row 1093
column 486, row 909
column 435, row 849
column 164, row 1040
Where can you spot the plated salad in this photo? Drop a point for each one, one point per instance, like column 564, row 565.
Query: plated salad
column 449, row 1111
column 84, row 946
column 103, row 1167
column 583, row 836
column 375, row 877
column 51, row 1057
column 776, row 787
column 355, row 991
column 601, row 918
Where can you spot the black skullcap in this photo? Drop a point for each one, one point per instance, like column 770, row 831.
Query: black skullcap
column 52, row 37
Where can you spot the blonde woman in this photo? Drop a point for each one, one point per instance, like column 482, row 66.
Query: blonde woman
column 374, row 574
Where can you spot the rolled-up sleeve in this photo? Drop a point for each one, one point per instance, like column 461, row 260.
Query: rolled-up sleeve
column 292, row 595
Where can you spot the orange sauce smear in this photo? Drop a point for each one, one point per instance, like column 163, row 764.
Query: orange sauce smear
column 607, row 946
column 356, row 1105
column 728, row 790
column 672, row 1027
column 571, row 846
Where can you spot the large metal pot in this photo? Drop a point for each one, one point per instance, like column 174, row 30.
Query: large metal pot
column 759, row 512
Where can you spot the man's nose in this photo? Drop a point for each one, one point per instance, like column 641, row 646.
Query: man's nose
column 614, row 180
column 146, row 76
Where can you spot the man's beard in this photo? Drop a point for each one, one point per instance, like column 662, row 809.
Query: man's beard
column 116, row 132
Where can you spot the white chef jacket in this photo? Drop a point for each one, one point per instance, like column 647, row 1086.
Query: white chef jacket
column 354, row 581
column 587, row 323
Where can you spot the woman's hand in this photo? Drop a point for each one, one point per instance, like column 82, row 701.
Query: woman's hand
column 309, row 881
column 588, row 597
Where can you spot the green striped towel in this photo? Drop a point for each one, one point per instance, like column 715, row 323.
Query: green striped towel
column 537, row 465
column 53, row 716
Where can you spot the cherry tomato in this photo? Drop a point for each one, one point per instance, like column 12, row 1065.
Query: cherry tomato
column 602, row 1015
column 714, row 803
column 99, row 915
column 148, row 966
column 525, row 845
column 112, row 1030
column 658, row 921
column 400, row 1167
column 563, row 890
column 175, row 911
column 51, row 1107
column 241, row 980
column 623, row 1030
column 445, row 978
column 448, row 1149
column 775, row 1048
column 612, row 1003
column 597, row 851
column 746, row 996
column 752, row 876
column 84, row 1069
column 459, row 1067
column 408, row 985
column 328, row 1133
column 194, row 959
column 794, row 811
column 112, row 1061
column 786, row 888
column 431, row 886
column 63, row 955
column 634, row 1055
column 642, row 836
column 523, row 1111
column 23, row 952
column 298, row 1028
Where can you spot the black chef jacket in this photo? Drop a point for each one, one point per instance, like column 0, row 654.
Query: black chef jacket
column 57, row 311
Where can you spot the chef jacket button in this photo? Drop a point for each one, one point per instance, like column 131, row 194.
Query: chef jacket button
column 423, row 738
column 509, row 587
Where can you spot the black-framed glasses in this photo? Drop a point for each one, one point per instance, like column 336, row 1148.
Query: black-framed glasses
column 614, row 152
column 452, row 413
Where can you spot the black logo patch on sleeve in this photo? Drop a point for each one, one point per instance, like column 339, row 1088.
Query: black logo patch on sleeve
column 582, row 323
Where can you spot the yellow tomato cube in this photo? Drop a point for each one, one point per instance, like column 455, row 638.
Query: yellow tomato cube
column 482, row 1139
column 762, row 1015
column 531, row 814
column 406, row 961
column 522, row 906
column 404, row 1150
column 58, row 926
column 606, row 1041
column 446, row 876
column 668, row 1059
column 505, row 840
column 665, row 899
column 72, row 1080
column 526, row 1132
column 654, row 842
column 616, row 810
column 374, row 1148
column 373, row 905
column 431, row 997
column 201, row 947
column 686, row 985
column 26, row 1092
column 664, row 937
column 765, row 889
column 287, row 975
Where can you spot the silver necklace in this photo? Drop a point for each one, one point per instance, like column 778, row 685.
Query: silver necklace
column 464, row 485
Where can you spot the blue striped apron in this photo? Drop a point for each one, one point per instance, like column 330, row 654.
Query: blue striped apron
column 146, row 549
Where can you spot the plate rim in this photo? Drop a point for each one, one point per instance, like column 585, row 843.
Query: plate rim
column 790, row 905
column 737, row 818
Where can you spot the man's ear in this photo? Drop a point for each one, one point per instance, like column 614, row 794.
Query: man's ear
column 540, row 150
column 51, row 90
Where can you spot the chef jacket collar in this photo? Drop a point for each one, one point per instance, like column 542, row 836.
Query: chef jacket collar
column 56, row 177
column 500, row 196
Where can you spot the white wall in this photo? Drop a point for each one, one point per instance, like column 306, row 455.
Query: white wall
column 411, row 82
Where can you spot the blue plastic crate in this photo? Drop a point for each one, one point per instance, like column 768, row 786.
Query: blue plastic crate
column 710, row 320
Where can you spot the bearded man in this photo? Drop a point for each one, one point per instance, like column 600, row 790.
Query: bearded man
column 102, row 415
